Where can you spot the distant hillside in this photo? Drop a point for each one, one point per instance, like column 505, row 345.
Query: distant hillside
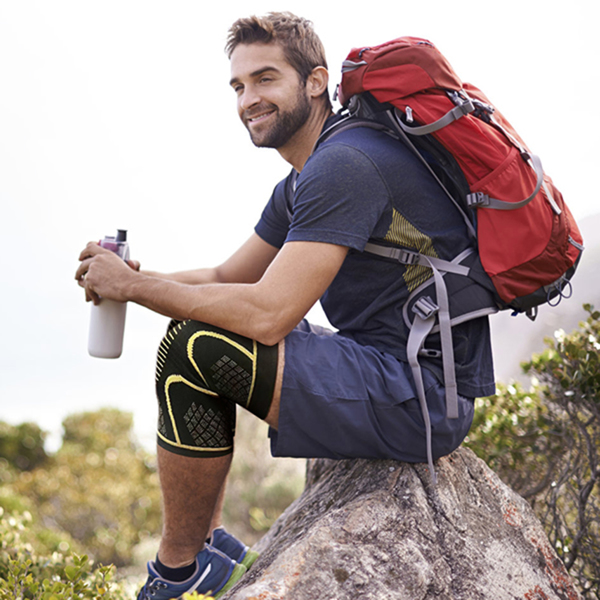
column 515, row 339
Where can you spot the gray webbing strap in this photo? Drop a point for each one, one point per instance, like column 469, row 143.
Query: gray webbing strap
column 350, row 65
column 395, row 115
column 551, row 199
column 446, row 342
column 452, row 115
column 425, row 316
column 437, row 266
column 422, row 325
column 478, row 199
column 409, row 257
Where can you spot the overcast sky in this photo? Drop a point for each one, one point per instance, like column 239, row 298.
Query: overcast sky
column 118, row 114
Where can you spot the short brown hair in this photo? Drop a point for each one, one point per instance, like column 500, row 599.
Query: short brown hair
column 301, row 46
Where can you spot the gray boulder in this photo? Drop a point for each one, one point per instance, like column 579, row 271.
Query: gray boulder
column 378, row 530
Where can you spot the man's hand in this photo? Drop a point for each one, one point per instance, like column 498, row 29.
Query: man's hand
column 103, row 274
column 260, row 292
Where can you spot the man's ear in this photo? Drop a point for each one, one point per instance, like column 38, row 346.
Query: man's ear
column 317, row 81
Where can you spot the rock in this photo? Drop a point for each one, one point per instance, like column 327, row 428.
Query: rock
column 367, row 529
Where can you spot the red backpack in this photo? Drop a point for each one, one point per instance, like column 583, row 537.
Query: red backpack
column 526, row 245
column 528, row 241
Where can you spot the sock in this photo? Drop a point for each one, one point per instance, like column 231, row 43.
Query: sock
column 178, row 574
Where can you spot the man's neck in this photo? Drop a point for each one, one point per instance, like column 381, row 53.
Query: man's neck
column 300, row 147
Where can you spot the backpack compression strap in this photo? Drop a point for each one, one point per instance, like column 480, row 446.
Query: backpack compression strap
column 465, row 106
column 426, row 314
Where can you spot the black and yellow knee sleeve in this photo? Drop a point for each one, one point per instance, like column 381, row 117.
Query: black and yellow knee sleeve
column 202, row 372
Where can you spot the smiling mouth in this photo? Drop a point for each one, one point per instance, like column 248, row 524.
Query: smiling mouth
column 259, row 118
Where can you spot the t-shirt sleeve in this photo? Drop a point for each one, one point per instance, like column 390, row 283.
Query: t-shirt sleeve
column 340, row 197
column 274, row 222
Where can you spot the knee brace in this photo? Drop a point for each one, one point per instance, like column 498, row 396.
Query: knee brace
column 202, row 372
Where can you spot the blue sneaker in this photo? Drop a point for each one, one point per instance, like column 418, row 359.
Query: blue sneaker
column 215, row 574
column 232, row 547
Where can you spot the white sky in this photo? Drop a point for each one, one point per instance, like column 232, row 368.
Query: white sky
column 117, row 114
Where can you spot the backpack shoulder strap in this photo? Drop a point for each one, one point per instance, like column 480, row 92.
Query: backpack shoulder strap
column 393, row 130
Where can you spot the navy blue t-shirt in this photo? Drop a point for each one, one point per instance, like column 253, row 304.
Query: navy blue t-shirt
column 358, row 186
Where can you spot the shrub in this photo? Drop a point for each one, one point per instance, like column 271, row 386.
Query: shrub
column 545, row 443
column 100, row 488
column 98, row 497
column 27, row 573
column 23, row 445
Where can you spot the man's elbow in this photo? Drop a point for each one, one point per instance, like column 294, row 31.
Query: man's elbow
column 270, row 329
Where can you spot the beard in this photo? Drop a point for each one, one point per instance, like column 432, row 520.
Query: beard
column 286, row 124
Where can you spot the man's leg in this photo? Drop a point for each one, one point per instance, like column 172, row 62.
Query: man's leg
column 191, row 489
column 192, row 482
column 271, row 419
column 217, row 519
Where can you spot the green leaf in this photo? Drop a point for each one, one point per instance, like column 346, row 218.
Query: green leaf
column 71, row 572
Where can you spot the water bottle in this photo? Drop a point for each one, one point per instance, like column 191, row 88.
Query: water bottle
column 107, row 319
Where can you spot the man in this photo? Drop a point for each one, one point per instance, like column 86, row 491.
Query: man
column 238, row 334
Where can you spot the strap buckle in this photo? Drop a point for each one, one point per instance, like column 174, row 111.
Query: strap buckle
column 425, row 308
column 430, row 353
column 406, row 257
column 463, row 103
column 466, row 107
column 476, row 199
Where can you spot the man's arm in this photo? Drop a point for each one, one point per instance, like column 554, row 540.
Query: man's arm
column 246, row 265
column 265, row 310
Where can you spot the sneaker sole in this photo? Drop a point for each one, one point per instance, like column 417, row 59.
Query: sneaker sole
column 236, row 575
column 250, row 558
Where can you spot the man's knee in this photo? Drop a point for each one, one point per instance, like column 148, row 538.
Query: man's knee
column 224, row 363
column 193, row 420
column 202, row 370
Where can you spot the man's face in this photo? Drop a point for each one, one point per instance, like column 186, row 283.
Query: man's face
column 272, row 102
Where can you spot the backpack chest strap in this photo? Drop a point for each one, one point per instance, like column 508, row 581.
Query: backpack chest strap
column 410, row 257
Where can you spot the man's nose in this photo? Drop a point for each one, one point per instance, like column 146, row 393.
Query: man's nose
column 249, row 97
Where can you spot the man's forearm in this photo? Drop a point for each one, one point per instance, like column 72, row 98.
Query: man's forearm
column 236, row 307
column 265, row 308
column 246, row 265
column 190, row 277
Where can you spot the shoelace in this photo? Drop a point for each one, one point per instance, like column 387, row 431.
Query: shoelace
column 151, row 588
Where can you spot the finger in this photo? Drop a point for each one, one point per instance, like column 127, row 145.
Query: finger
column 88, row 250
column 90, row 294
column 82, row 270
column 134, row 264
column 92, row 249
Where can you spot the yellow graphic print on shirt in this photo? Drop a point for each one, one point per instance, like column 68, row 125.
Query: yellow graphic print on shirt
column 405, row 234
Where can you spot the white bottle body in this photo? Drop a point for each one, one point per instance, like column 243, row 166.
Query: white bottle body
column 107, row 319
column 107, row 329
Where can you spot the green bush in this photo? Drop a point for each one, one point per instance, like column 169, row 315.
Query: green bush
column 545, row 443
column 515, row 433
column 23, row 445
column 26, row 573
column 99, row 487
column 95, row 500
